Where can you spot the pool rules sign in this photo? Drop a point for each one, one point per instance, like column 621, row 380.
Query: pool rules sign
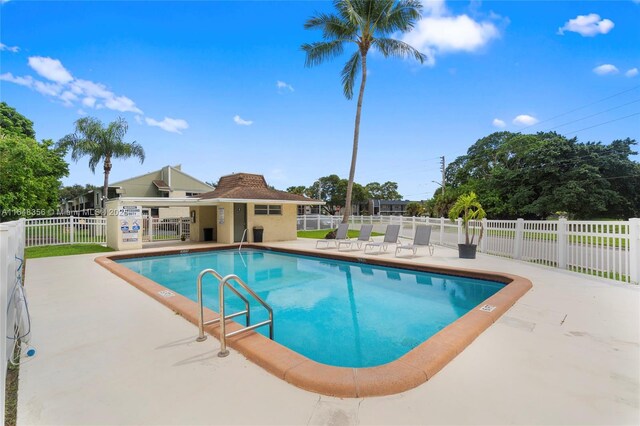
column 130, row 222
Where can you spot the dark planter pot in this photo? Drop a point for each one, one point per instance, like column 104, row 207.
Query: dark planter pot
column 467, row 251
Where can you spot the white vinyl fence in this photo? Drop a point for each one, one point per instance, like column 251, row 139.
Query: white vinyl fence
column 93, row 230
column 609, row 249
column 11, row 270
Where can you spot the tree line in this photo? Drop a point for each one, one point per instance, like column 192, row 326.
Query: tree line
column 535, row 176
column 333, row 191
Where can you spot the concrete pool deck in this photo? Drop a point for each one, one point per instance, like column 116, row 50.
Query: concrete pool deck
column 568, row 352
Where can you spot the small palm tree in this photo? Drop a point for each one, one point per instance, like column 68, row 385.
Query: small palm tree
column 468, row 206
column 101, row 144
column 367, row 24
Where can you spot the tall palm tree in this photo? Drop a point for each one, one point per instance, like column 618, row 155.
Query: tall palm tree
column 101, row 144
column 367, row 24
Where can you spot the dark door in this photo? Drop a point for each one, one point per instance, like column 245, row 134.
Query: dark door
column 239, row 221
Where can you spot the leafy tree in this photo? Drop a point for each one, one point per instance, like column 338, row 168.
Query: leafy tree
column 325, row 189
column 30, row 171
column 415, row 209
column 299, row 190
column 367, row 24
column 12, row 122
column 533, row 176
column 70, row 192
column 101, row 143
column 386, row 191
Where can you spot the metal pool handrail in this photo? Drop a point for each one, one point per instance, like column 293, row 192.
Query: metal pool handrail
column 244, row 234
column 201, row 323
column 225, row 282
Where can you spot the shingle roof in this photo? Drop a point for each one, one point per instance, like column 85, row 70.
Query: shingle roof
column 246, row 186
column 161, row 185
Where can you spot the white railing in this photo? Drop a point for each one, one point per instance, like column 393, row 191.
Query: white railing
column 609, row 249
column 65, row 230
column 11, row 270
column 93, row 230
column 166, row 229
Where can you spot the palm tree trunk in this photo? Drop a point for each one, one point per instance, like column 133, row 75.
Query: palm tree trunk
column 105, row 188
column 356, row 137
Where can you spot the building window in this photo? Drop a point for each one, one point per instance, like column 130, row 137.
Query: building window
column 267, row 209
column 192, row 194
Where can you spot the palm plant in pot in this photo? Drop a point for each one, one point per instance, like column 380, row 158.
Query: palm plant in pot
column 469, row 209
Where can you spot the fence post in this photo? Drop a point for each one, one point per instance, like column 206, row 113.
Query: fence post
column 413, row 225
column 459, row 222
column 519, row 241
column 304, row 222
column 71, row 230
column 441, row 230
column 634, row 250
column 485, row 230
column 562, row 243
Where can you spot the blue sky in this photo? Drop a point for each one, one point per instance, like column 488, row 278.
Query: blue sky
column 221, row 87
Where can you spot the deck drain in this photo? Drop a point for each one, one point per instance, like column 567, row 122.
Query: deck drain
column 487, row 308
column 166, row 293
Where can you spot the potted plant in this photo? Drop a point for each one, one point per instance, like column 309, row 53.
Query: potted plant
column 468, row 208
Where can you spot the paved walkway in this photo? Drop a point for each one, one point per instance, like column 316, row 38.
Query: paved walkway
column 567, row 353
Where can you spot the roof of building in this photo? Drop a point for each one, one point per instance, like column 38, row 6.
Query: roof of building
column 161, row 185
column 247, row 186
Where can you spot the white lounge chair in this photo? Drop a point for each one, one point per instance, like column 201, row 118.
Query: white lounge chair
column 390, row 237
column 365, row 236
column 341, row 235
column 422, row 238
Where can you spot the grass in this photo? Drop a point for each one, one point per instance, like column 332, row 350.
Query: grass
column 321, row 233
column 64, row 250
column 11, row 394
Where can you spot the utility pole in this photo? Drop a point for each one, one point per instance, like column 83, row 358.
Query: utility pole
column 442, row 168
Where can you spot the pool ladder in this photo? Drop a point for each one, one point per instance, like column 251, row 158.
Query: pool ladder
column 225, row 282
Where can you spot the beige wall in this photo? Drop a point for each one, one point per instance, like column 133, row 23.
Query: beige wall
column 225, row 230
column 276, row 227
column 114, row 234
column 206, row 217
column 173, row 212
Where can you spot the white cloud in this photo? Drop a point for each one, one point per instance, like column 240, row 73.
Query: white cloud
column 587, row 25
column 122, row 103
column 14, row 49
column 633, row 71
column 89, row 101
column 525, row 120
column 85, row 93
column 68, row 97
column 444, row 34
column 606, row 69
column 239, row 121
column 26, row 81
column 281, row 85
column 498, row 123
column 173, row 125
column 51, row 69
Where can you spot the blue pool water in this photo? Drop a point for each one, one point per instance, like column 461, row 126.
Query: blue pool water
column 334, row 312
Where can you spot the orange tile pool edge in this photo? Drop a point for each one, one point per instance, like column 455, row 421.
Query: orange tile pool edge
column 412, row 369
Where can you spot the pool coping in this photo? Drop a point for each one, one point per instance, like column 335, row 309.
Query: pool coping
column 410, row 370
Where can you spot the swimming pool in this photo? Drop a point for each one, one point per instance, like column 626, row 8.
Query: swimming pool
column 352, row 286
column 334, row 312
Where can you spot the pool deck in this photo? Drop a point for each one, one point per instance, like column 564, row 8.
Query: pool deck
column 568, row 352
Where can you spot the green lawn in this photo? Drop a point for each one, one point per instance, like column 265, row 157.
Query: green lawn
column 64, row 250
column 320, row 234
